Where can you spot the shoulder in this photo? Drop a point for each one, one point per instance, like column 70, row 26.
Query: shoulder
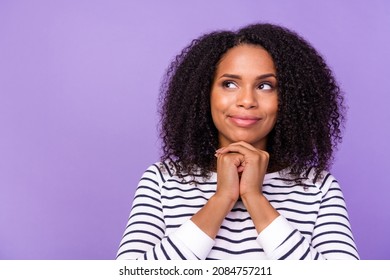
column 168, row 172
column 158, row 171
column 164, row 171
column 308, row 179
column 324, row 181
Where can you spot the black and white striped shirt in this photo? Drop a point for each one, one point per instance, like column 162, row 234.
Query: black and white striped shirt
column 313, row 221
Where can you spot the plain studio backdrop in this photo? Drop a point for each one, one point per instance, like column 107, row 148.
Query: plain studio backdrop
column 79, row 82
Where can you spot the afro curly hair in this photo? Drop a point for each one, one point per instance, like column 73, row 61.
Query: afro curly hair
column 310, row 103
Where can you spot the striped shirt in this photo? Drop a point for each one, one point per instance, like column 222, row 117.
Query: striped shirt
column 313, row 221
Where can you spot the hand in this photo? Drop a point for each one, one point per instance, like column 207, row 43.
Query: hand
column 243, row 166
column 229, row 166
column 240, row 173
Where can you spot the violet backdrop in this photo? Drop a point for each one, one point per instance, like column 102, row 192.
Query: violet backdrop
column 79, row 82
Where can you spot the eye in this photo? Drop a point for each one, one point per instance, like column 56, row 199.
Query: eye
column 265, row 86
column 229, row 84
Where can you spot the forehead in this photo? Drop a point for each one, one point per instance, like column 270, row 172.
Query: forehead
column 246, row 58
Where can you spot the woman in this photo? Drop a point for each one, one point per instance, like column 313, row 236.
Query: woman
column 249, row 123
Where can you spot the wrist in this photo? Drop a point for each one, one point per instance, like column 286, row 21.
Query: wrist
column 224, row 202
column 260, row 210
column 212, row 214
column 252, row 197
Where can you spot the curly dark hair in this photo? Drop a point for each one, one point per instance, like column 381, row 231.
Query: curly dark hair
column 310, row 105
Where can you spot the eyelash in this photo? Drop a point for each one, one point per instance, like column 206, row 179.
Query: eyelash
column 226, row 84
column 266, row 84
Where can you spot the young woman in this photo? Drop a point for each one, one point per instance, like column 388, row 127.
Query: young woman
column 249, row 123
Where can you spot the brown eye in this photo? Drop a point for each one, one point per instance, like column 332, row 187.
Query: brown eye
column 265, row 86
column 229, row 84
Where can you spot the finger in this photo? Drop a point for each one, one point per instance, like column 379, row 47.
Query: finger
column 244, row 144
column 241, row 149
column 241, row 143
column 232, row 148
column 236, row 159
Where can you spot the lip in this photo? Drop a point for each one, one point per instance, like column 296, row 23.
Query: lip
column 244, row 121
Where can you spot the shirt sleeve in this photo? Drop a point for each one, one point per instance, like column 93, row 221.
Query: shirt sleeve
column 331, row 239
column 144, row 237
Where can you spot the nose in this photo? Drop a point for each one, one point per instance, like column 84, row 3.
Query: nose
column 246, row 98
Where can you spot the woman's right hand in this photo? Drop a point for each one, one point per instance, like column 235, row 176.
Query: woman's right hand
column 229, row 168
column 212, row 214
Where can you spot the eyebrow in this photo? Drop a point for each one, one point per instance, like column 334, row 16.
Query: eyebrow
column 233, row 76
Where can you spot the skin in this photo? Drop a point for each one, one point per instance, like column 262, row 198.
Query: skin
column 244, row 105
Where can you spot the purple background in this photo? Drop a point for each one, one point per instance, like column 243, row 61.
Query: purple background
column 79, row 82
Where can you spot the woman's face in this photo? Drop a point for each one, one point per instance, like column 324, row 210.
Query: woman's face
column 244, row 96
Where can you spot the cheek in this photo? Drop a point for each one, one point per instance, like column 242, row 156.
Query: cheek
column 213, row 107
column 221, row 102
column 272, row 106
column 219, row 107
column 217, row 104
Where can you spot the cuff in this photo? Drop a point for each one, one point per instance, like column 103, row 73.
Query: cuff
column 274, row 234
column 194, row 239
